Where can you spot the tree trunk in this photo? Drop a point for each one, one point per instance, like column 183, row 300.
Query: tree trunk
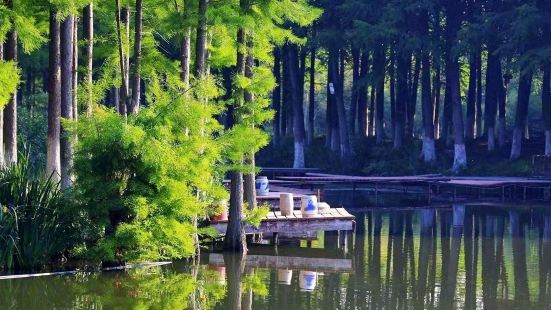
column 490, row 106
column 298, row 112
column 235, row 263
column 201, row 41
column 402, row 69
column 66, row 45
column 234, row 241
column 136, row 77
column 355, row 90
column 471, row 98
column 74, row 70
column 479, row 131
column 122, row 17
column 2, row 162
column 379, row 72
column 249, row 177
column 524, row 90
column 10, row 111
column 428, row 149
column 343, row 132
column 311, row 96
column 453, row 17
column 371, row 111
column 88, row 25
column 362, row 94
column 412, row 107
column 276, row 97
column 546, row 108
column 502, row 106
column 185, row 53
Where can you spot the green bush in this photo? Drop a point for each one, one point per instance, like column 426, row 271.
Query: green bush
column 144, row 180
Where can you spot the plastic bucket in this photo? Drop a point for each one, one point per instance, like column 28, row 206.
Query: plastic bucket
column 284, row 276
column 286, row 204
column 309, row 205
column 308, row 280
column 262, row 186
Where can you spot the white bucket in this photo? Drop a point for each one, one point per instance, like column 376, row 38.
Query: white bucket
column 286, row 204
column 308, row 280
column 262, row 186
column 309, row 205
column 284, row 276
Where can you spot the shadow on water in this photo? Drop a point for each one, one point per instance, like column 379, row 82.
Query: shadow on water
column 459, row 256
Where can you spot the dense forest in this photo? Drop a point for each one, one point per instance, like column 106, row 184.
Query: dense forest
column 140, row 109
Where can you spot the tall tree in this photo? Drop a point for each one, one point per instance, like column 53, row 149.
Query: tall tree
column 88, row 27
column 67, row 58
column 312, row 95
column 185, row 53
column 53, row 165
column 10, row 111
column 453, row 23
column 136, row 77
column 428, row 149
column 201, row 40
column 298, row 110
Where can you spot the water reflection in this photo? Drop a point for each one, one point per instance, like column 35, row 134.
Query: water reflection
column 461, row 257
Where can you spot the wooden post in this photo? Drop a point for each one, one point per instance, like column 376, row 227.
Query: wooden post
column 524, row 193
column 275, row 238
column 429, row 195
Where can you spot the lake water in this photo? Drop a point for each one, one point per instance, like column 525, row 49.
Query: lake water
column 454, row 256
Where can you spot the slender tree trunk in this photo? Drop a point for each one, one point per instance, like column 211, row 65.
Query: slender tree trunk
column 546, row 108
column 201, row 41
column 524, row 90
column 88, row 25
column 343, row 132
column 298, row 112
column 185, row 53
column 471, row 97
column 136, row 77
column 311, row 96
column 10, row 111
column 401, row 98
column 371, row 111
column 355, row 90
column 122, row 17
column 479, row 131
column 276, row 97
column 392, row 89
column 74, row 70
column 502, row 106
column 379, row 68
column 362, row 94
column 412, row 106
column 249, row 176
column 453, row 17
column 428, row 149
column 66, row 46
column 490, row 106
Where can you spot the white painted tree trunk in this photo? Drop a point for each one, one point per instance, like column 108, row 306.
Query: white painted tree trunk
column 548, row 143
column 459, row 157
column 491, row 139
column 516, row 144
column 428, row 150
column 502, row 130
column 299, row 155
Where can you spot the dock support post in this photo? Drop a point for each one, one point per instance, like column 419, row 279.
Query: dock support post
column 524, row 193
column 428, row 193
column 376, row 193
column 342, row 240
column 503, row 194
column 275, row 238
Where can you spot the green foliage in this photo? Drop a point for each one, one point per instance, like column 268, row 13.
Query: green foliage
column 141, row 181
column 9, row 80
column 35, row 225
column 254, row 216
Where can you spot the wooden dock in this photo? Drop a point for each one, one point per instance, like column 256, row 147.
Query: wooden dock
column 334, row 219
column 288, row 262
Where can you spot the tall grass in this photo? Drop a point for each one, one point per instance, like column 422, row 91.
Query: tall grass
column 33, row 224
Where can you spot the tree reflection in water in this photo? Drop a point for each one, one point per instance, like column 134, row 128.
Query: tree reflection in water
column 461, row 257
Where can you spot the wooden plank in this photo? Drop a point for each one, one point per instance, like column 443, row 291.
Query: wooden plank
column 318, row 223
column 289, row 262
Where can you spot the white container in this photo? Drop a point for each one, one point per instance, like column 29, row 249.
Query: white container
column 308, row 280
column 286, row 204
column 284, row 276
column 309, row 205
column 262, row 186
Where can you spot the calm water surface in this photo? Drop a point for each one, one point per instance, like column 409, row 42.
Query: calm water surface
column 463, row 257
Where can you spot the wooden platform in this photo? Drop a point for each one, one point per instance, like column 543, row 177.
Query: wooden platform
column 334, row 219
column 289, row 262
